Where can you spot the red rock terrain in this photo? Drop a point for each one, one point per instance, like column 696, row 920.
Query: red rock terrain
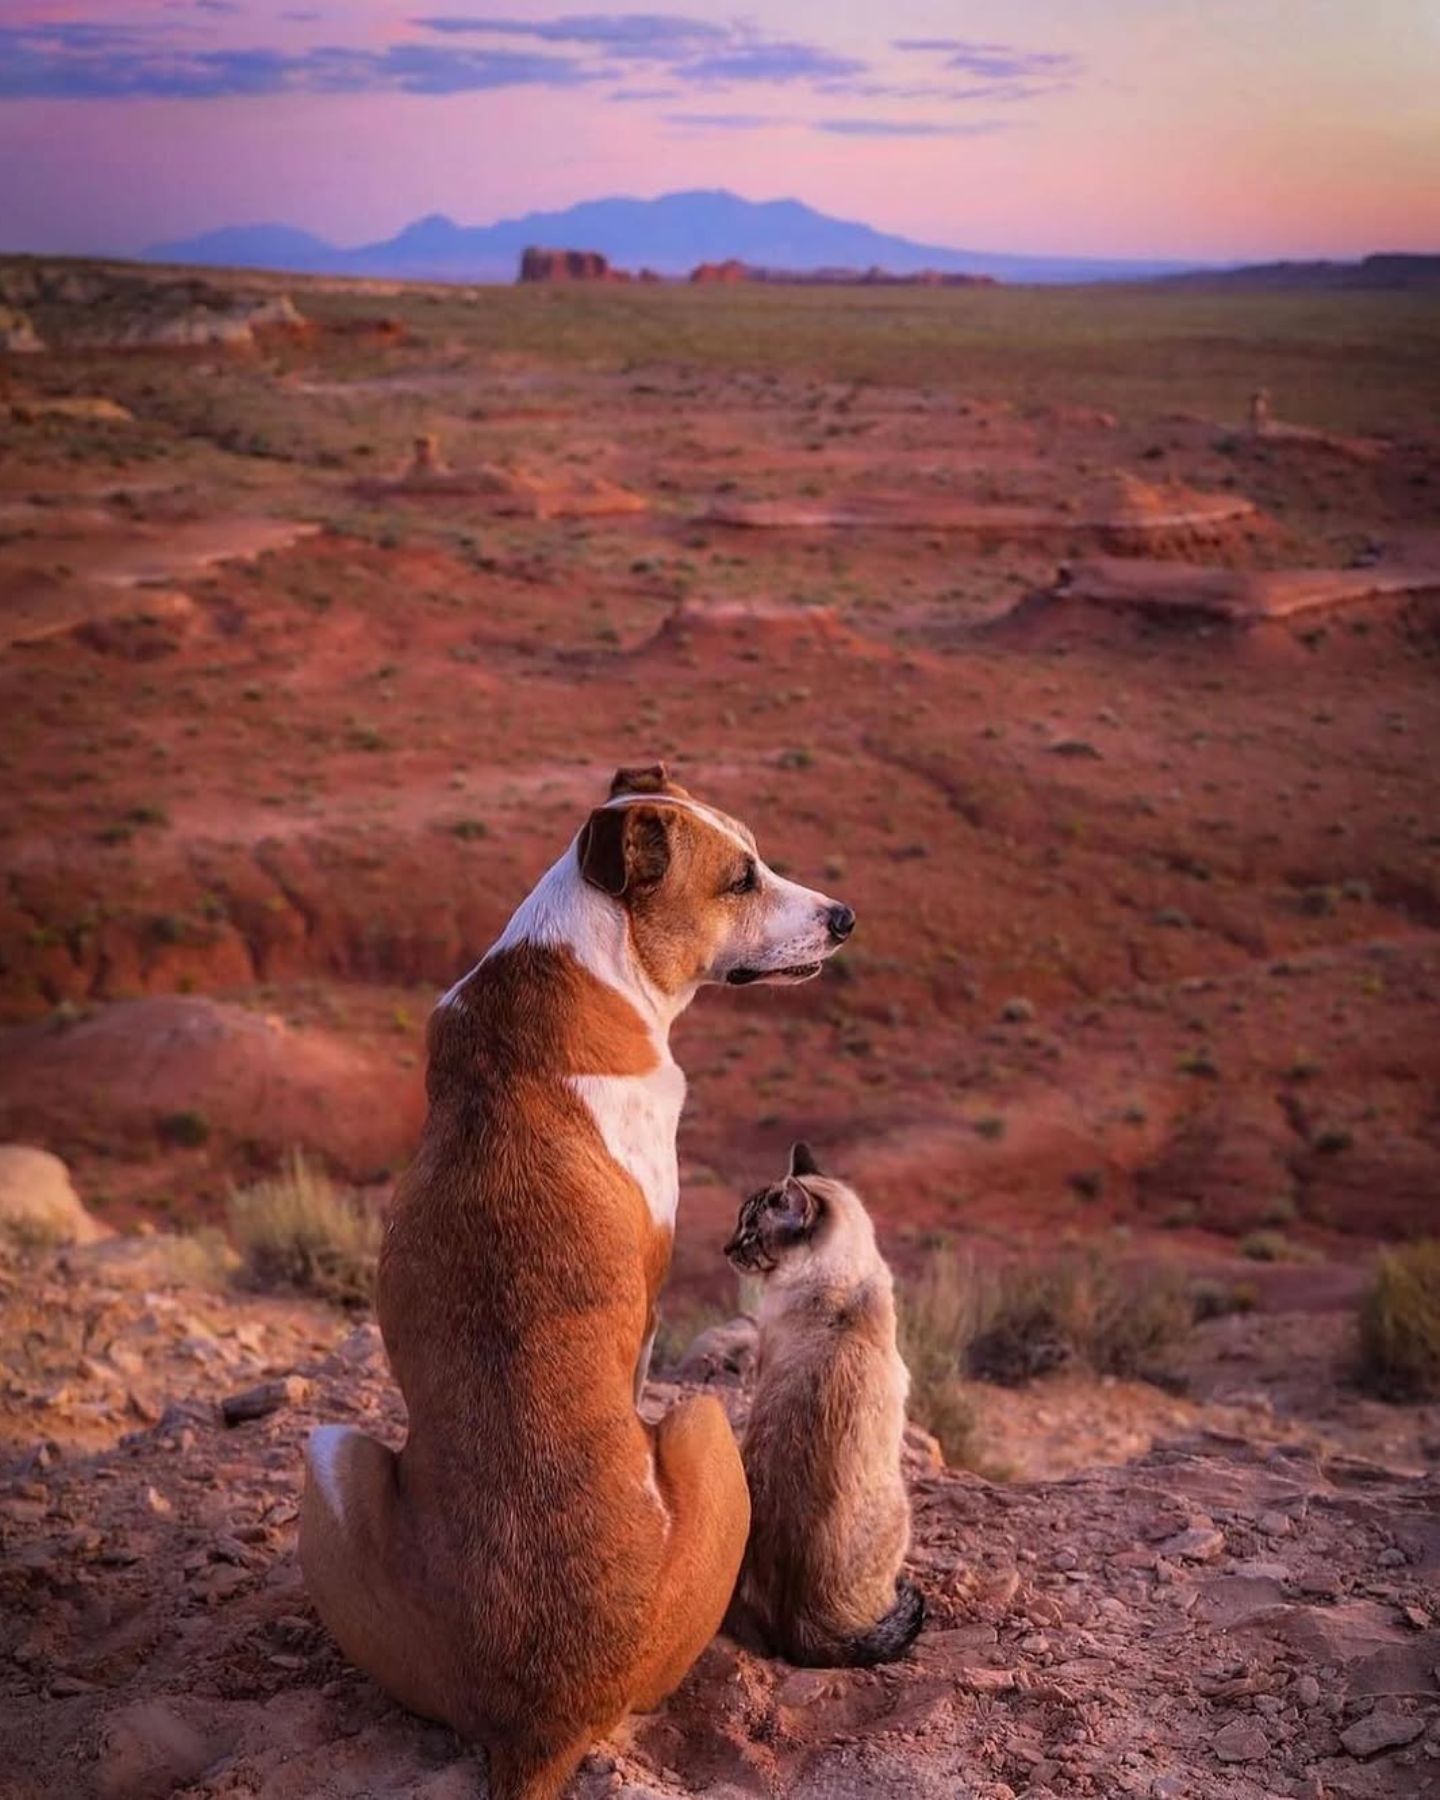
column 1146, row 858
column 1225, row 1616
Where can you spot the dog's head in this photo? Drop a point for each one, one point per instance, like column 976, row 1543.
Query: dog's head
column 701, row 904
column 780, row 1220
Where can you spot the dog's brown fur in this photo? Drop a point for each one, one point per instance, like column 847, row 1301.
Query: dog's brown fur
column 537, row 1561
column 498, row 1616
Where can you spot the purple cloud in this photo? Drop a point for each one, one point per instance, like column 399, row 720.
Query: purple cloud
column 992, row 62
column 908, row 128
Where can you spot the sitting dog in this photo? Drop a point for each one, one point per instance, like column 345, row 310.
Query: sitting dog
column 537, row 1561
column 830, row 1516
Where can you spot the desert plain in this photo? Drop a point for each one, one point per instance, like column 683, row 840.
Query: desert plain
column 1105, row 693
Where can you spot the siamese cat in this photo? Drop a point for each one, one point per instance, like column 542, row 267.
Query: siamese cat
column 830, row 1518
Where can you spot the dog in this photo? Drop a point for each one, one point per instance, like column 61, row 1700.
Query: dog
column 830, row 1518
column 537, row 1561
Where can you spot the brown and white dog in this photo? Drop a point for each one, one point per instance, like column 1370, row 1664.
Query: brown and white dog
column 537, row 1561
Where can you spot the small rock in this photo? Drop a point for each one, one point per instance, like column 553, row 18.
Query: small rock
column 1241, row 1740
column 149, row 1750
column 1276, row 1524
column 1198, row 1544
column 260, row 1401
column 1306, row 1690
column 806, row 1686
column 1381, row 1731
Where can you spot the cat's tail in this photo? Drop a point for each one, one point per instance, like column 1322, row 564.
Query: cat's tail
column 895, row 1633
column 886, row 1641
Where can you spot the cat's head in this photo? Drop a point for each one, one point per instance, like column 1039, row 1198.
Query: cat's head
column 777, row 1221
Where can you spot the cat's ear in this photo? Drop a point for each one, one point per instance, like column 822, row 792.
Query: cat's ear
column 798, row 1211
column 802, row 1160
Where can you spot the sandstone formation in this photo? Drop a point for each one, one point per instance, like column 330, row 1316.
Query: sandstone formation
column 724, row 273
column 1119, row 512
column 508, row 490
column 568, row 265
column 1237, row 596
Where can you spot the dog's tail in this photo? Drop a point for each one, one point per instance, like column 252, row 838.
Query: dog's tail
column 886, row 1641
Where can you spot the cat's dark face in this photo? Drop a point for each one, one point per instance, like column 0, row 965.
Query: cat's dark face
column 778, row 1219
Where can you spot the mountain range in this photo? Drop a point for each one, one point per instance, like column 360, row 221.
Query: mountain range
column 669, row 234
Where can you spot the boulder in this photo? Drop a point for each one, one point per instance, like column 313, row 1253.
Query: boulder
column 38, row 1203
column 18, row 336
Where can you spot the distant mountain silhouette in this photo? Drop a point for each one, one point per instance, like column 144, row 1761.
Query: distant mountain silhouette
column 670, row 234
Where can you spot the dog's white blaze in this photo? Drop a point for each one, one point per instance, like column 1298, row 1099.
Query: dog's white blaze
column 638, row 1117
column 322, row 1454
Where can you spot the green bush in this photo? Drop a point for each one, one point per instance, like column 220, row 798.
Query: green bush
column 1400, row 1324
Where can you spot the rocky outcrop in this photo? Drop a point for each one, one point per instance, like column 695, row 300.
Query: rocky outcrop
column 18, row 336
column 706, row 274
column 567, row 265
column 38, row 1204
column 204, row 324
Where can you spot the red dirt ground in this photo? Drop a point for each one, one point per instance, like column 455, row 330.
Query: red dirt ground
column 1148, row 907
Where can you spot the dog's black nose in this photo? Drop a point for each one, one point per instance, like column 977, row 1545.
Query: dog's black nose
column 841, row 921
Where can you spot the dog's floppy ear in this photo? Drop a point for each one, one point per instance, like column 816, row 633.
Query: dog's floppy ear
column 802, row 1160
column 624, row 848
column 654, row 778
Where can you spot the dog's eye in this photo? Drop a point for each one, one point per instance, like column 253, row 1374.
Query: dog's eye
column 747, row 881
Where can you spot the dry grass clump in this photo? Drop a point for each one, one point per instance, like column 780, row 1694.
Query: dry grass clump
column 1089, row 1310
column 298, row 1230
column 1400, row 1324
column 1014, row 1322
column 937, row 1317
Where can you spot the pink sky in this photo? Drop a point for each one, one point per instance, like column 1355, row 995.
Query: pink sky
column 1187, row 128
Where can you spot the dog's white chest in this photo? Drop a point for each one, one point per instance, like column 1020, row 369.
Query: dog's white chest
column 638, row 1116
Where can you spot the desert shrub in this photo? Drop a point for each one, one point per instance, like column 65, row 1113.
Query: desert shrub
column 297, row 1230
column 937, row 1319
column 1089, row 1310
column 1400, row 1324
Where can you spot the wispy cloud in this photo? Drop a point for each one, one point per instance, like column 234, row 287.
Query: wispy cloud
column 653, row 57
column 909, row 128
column 772, row 62
column 725, row 121
column 992, row 62
column 650, row 37
column 75, row 62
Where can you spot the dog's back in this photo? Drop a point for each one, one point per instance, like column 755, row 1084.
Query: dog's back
column 518, row 1274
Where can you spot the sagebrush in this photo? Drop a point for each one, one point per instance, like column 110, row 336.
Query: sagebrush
column 1399, row 1324
column 296, row 1229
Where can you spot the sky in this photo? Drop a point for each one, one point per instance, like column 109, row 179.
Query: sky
column 1205, row 129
